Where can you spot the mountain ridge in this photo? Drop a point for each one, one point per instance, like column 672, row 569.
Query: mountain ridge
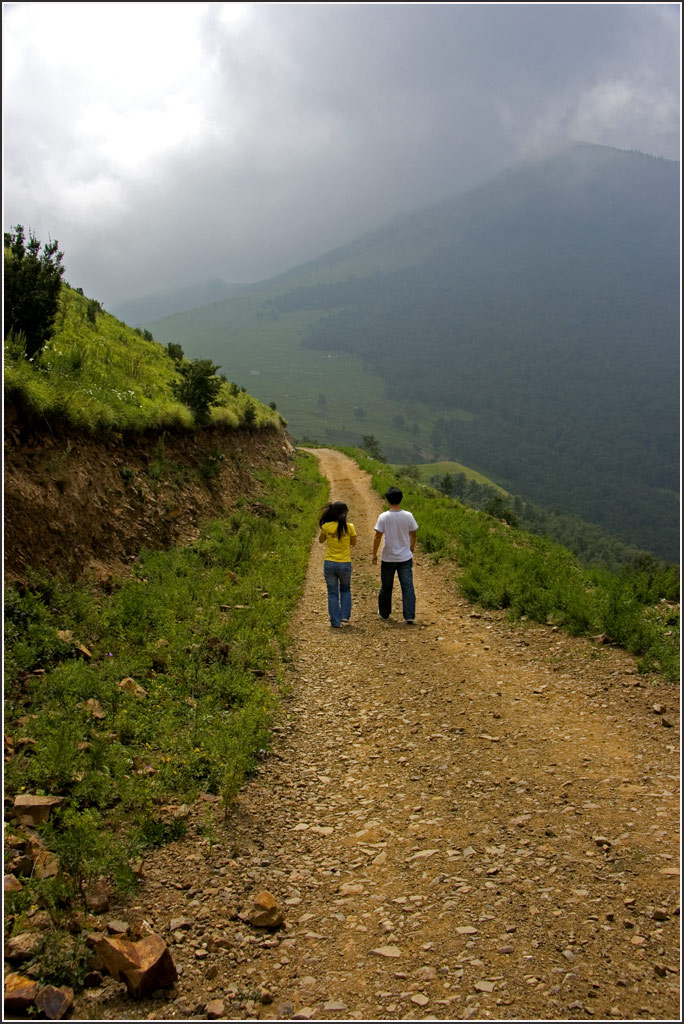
column 370, row 241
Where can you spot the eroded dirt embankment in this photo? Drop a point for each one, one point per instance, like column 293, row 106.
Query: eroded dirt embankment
column 84, row 507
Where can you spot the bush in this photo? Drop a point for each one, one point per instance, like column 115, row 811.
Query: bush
column 92, row 309
column 175, row 352
column 198, row 387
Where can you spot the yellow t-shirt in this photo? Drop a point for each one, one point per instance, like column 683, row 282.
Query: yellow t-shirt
column 337, row 550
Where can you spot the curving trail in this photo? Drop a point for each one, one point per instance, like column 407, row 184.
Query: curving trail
column 463, row 819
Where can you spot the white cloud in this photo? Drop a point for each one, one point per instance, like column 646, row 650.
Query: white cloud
column 273, row 132
column 624, row 112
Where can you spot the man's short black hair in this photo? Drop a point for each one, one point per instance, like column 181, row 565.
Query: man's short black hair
column 394, row 496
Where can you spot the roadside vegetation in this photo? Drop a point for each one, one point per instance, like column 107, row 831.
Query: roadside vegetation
column 592, row 545
column 129, row 705
column 531, row 577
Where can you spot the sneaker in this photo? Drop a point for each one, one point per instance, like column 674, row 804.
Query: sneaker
column 345, row 622
column 410, row 622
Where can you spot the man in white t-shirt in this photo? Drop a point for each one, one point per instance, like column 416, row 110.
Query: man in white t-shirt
column 398, row 527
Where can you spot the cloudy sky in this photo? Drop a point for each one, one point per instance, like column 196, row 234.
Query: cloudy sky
column 164, row 144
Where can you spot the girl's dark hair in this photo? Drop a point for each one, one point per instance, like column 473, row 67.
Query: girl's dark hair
column 335, row 512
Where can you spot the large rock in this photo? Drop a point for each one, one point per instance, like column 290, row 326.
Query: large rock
column 20, row 992
column 264, row 912
column 130, row 686
column 46, row 865
column 23, row 947
column 97, row 897
column 145, row 966
column 33, row 810
column 55, row 1002
column 216, row 1009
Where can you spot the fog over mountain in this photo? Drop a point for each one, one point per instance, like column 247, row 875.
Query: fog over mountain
column 169, row 145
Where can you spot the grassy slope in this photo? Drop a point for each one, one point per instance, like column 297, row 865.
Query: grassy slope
column 430, row 469
column 104, row 375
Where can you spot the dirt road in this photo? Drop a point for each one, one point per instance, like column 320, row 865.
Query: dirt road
column 461, row 820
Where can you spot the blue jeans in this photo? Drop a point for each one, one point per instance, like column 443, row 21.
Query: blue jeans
column 404, row 571
column 338, row 581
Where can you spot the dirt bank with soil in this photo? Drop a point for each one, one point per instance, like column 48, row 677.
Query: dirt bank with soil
column 466, row 819
column 84, row 507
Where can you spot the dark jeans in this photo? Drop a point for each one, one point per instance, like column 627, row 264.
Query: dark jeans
column 404, row 571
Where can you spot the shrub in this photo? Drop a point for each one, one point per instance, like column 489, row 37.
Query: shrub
column 249, row 415
column 92, row 309
column 198, row 387
column 175, row 352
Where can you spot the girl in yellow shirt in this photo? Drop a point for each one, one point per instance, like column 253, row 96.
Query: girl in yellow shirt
column 339, row 536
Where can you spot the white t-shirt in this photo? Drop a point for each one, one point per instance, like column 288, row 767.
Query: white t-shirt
column 396, row 525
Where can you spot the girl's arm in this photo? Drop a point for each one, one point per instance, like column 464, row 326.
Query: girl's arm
column 352, row 539
column 322, row 537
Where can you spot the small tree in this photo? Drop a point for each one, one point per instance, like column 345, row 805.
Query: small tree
column 32, row 284
column 497, row 507
column 92, row 309
column 175, row 352
column 372, row 447
column 446, row 484
column 198, row 387
column 249, row 415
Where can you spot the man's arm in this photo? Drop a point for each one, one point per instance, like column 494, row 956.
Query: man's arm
column 412, row 540
column 376, row 544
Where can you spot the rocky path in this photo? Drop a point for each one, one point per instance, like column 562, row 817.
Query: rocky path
column 460, row 820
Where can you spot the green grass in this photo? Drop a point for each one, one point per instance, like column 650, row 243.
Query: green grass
column 532, row 577
column 106, row 376
column 201, row 633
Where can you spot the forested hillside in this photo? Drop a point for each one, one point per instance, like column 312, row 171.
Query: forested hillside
column 553, row 320
column 528, row 329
